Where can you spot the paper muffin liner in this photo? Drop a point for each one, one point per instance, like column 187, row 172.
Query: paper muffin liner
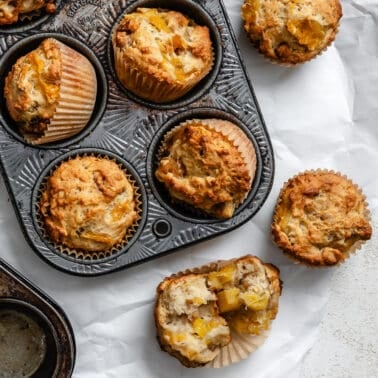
column 77, row 97
column 353, row 249
column 229, row 130
column 288, row 64
column 146, row 85
column 92, row 255
column 241, row 345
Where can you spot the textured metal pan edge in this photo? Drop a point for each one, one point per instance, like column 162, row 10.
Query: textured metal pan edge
column 19, row 294
column 127, row 129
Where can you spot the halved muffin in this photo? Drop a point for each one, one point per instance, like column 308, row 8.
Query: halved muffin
column 187, row 320
column 161, row 54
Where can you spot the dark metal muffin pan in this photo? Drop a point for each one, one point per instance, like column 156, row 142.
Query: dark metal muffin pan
column 130, row 129
column 21, row 299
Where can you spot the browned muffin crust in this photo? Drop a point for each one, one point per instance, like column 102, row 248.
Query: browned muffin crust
column 11, row 10
column 202, row 167
column 161, row 54
column 291, row 31
column 88, row 204
column 319, row 218
column 32, row 87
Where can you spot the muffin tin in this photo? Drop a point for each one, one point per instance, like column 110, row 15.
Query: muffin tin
column 129, row 130
column 40, row 331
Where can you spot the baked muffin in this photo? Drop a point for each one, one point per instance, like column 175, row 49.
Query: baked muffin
column 187, row 320
column 12, row 10
column 51, row 92
column 160, row 55
column 89, row 204
column 208, row 164
column 291, row 31
column 320, row 218
column 219, row 313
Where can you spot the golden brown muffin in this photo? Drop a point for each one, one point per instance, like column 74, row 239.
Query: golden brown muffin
column 187, row 320
column 209, row 164
column 320, row 217
column 201, row 306
column 291, row 31
column 248, row 291
column 11, row 10
column 88, row 204
column 50, row 92
column 159, row 55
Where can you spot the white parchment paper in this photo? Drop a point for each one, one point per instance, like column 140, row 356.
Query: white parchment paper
column 322, row 114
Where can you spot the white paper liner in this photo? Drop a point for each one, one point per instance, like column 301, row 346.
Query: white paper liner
column 353, row 249
column 77, row 97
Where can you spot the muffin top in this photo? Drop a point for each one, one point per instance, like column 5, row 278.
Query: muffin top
column 88, row 204
column 32, row 87
column 204, row 167
column 187, row 319
column 10, row 10
column 165, row 44
column 319, row 217
column 291, row 31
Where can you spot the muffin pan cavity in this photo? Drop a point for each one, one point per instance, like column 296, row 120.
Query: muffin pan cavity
column 28, row 44
column 201, row 17
column 81, row 256
column 129, row 131
column 37, row 339
column 183, row 211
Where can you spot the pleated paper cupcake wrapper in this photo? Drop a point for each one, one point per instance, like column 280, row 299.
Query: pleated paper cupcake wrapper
column 354, row 248
column 94, row 255
column 229, row 130
column 241, row 345
column 77, row 97
column 147, row 86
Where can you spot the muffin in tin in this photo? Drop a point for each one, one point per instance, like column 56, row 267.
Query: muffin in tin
column 320, row 218
column 289, row 32
column 220, row 309
column 208, row 164
column 12, row 10
column 161, row 54
column 89, row 204
column 50, row 92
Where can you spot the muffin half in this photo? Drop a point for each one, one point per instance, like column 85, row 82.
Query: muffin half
column 51, row 92
column 208, row 164
column 290, row 31
column 160, row 54
column 320, row 218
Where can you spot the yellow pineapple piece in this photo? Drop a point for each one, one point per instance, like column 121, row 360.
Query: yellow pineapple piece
column 254, row 301
column 250, row 322
column 228, row 300
column 308, row 32
column 218, row 279
column 202, row 326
